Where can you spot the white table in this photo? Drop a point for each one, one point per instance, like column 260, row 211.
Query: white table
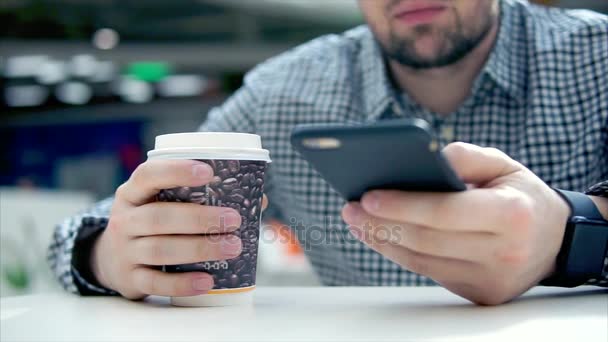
column 324, row 314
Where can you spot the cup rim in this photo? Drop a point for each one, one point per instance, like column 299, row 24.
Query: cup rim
column 211, row 153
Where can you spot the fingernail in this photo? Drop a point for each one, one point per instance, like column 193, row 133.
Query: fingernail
column 231, row 246
column 202, row 171
column 352, row 213
column 371, row 201
column 231, row 219
column 202, row 284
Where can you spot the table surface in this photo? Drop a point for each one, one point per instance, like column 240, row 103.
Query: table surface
column 314, row 313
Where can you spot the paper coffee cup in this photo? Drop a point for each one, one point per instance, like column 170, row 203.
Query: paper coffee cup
column 239, row 164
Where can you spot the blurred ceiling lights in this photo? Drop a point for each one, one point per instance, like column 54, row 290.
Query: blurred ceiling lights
column 326, row 11
column 105, row 39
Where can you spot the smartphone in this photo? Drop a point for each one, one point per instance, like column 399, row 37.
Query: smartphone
column 390, row 154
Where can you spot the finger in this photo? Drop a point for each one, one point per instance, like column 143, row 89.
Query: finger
column 479, row 165
column 446, row 244
column 164, row 218
column 152, row 282
column 451, row 211
column 437, row 268
column 155, row 175
column 184, row 249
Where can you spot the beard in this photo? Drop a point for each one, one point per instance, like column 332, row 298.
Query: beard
column 456, row 44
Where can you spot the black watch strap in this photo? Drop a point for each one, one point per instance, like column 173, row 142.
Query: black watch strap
column 585, row 243
column 581, row 205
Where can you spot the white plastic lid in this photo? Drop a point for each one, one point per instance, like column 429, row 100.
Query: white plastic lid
column 210, row 145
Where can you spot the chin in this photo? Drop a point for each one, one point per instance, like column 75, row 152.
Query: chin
column 428, row 50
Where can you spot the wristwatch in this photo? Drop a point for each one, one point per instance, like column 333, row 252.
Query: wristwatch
column 585, row 243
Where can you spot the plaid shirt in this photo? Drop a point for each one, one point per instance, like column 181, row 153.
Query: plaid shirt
column 542, row 98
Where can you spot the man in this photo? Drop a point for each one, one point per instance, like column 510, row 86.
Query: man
column 525, row 87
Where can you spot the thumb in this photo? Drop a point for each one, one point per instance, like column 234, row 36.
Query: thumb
column 479, row 165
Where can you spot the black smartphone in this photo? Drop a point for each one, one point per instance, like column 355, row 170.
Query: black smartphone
column 390, row 154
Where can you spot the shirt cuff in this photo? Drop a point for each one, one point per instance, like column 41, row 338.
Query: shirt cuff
column 84, row 279
column 599, row 190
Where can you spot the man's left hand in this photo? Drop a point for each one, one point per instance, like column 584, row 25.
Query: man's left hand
column 488, row 244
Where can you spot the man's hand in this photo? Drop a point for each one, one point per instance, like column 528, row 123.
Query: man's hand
column 143, row 235
column 488, row 244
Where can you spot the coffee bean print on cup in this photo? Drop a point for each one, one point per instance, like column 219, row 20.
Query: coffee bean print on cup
column 238, row 184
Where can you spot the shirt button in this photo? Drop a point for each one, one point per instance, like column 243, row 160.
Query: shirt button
column 447, row 133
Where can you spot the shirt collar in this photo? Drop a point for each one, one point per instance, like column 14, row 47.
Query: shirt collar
column 507, row 64
column 378, row 91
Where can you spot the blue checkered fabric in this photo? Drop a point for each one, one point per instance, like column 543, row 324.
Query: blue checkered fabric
column 542, row 98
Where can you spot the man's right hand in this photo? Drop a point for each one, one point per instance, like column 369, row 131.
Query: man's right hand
column 143, row 234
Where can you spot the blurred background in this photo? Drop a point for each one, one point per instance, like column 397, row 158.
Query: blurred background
column 86, row 85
